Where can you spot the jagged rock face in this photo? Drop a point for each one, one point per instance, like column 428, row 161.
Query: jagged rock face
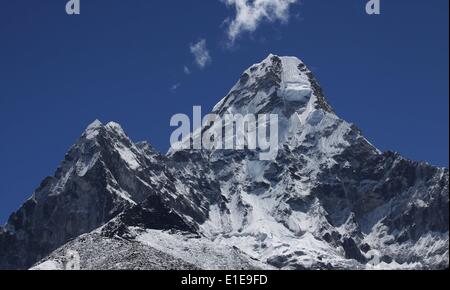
column 329, row 196
column 328, row 199
column 103, row 174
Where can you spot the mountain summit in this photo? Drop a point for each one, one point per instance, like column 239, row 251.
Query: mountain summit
column 328, row 200
column 275, row 84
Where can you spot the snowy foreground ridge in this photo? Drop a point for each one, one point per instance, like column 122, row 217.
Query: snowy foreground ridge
column 329, row 200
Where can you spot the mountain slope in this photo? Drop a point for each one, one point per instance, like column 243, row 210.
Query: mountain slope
column 329, row 196
column 327, row 199
column 101, row 175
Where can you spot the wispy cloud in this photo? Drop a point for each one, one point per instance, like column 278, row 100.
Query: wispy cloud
column 250, row 14
column 201, row 53
column 187, row 70
column 175, row 87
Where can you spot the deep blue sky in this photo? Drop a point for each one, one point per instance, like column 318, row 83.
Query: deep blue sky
column 119, row 59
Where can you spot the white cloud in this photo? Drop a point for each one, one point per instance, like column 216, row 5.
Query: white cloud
column 187, row 70
column 175, row 87
column 250, row 13
column 201, row 53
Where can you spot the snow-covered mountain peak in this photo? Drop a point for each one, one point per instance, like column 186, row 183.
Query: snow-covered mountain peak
column 103, row 146
column 92, row 130
column 285, row 87
column 115, row 127
column 273, row 57
column 328, row 199
column 278, row 85
column 95, row 124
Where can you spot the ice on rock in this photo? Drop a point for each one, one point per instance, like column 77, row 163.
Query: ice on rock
column 295, row 85
column 116, row 128
column 128, row 156
column 296, row 93
column 95, row 125
column 291, row 73
column 92, row 130
column 315, row 118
